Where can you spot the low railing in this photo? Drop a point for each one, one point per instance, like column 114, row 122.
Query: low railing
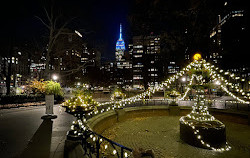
column 100, row 146
column 219, row 104
column 96, row 145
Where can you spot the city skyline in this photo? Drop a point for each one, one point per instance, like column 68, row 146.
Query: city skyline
column 98, row 22
column 124, row 78
column 48, row 36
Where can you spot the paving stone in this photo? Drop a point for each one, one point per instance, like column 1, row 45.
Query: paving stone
column 161, row 134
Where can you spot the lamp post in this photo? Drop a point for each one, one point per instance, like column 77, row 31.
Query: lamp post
column 218, row 83
column 183, row 80
column 49, row 101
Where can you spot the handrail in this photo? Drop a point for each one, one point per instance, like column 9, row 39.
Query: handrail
column 110, row 141
column 92, row 141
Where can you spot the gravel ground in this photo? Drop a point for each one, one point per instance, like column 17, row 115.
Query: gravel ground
column 161, row 135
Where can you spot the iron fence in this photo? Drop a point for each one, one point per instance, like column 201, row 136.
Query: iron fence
column 95, row 145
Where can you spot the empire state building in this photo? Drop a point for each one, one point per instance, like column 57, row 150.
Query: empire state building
column 120, row 46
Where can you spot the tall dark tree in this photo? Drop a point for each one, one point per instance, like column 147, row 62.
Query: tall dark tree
column 55, row 25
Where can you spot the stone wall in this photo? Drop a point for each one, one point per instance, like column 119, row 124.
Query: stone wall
column 105, row 120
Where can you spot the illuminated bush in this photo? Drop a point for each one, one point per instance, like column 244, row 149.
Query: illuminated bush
column 81, row 103
column 117, row 95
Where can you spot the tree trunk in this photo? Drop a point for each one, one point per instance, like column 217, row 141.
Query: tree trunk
column 46, row 72
column 8, row 78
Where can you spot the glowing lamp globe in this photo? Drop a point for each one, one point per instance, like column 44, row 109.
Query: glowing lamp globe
column 55, row 77
column 197, row 56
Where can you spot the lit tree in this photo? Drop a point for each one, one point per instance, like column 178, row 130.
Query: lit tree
column 199, row 128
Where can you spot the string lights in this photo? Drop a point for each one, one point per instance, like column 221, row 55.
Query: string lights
column 199, row 115
column 80, row 128
column 223, row 83
column 193, row 65
column 188, row 88
column 199, row 109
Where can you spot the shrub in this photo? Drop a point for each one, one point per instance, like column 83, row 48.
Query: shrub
column 37, row 87
column 46, row 87
column 52, row 87
column 19, row 99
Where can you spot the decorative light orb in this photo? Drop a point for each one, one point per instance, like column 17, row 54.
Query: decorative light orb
column 197, row 56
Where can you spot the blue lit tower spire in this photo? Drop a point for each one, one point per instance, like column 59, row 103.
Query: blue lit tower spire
column 120, row 31
column 120, row 46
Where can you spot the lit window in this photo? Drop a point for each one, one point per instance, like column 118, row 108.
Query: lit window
column 137, row 56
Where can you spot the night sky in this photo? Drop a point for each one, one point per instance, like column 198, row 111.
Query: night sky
column 97, row 20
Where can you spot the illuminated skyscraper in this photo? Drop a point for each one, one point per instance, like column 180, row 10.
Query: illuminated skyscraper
column 120, row 46
column 147, row 67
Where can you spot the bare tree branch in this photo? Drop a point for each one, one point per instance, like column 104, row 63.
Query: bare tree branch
column 48, row 17
column 55, row 21
column 54, row 38
column 43, row 22
column 72, row 71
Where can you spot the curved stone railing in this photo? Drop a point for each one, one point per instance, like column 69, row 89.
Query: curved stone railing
column 101, row 122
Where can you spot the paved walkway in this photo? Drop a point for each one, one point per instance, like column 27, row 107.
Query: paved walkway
column 161, row 134
column 24, row 134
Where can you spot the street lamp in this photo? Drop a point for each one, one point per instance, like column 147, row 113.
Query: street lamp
column 183, row 79
column 218, row 83
column 54, row 77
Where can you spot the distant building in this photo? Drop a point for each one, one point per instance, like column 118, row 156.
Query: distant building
column 229, row 41
column 121, row 61
column 14, row 69
column 120, row 47
column 119, row 71
column 145, row 59
column 228, row 36
column 91, row 57
column 122, row 65
column 68, row 60
column 173, row 68
column 73, row 58
column 3, row 69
